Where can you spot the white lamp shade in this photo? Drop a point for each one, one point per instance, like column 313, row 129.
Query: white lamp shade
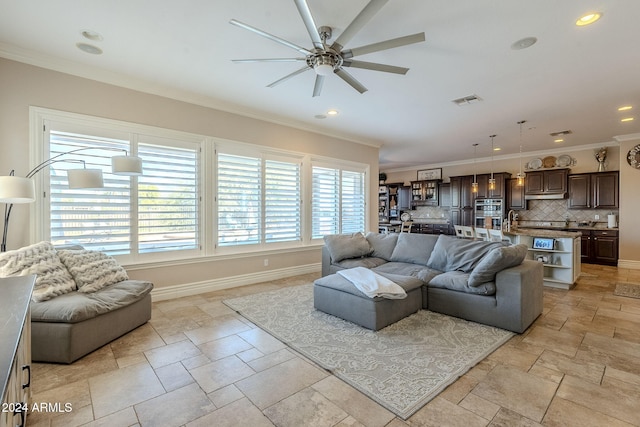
column 126, row 165
column 85, row 178
column 15, row 189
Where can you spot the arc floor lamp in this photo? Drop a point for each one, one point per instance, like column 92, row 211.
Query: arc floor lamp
column 15, row 189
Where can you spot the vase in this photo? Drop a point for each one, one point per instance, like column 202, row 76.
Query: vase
column 601, row 167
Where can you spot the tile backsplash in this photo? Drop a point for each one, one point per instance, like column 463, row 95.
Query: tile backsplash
column 555, row 212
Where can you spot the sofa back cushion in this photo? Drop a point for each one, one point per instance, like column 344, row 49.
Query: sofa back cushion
column 41, row 259
column 414, row 248
column 454, row 254
column 382, row 244
column 345, row 246
column 497, row 260
column 92, row 270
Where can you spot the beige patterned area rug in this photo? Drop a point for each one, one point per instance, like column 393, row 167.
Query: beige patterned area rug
column 402, row 367
column 627, row 290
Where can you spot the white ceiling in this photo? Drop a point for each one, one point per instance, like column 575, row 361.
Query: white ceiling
column 573, row 78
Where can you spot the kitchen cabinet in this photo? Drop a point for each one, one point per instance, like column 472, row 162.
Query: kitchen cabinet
column 461, row 200
column 425, row 193
column 15, row 352
column 546, row 183
column 598, row 190
column 515, row 195
column 445, row 194
column 599, row 246
column 393, row 199
column 483, row 186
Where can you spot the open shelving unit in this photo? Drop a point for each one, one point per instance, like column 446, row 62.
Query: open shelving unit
column 561, row 264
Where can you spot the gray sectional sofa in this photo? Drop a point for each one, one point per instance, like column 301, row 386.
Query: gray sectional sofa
column 485, row 282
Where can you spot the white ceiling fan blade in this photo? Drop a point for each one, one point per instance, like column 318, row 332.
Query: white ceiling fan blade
column 270, row 36
column 351, row 80
column 317, row 87
column 307, row 18
column 387, row 44
column 375, row 66
column 288, row 76
column 356, row 25
column 270, row 60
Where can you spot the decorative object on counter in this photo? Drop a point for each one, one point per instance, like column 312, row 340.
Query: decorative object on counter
column 474, row 184
column 520, row 175
column 382, row 177
column 612, row 221
column 633, row 157
column 428, row 174
column 492, row 181
column 601, row 157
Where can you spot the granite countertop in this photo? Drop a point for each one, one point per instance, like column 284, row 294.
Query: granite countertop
column 569, row 227
column 542, row 232
column 430, row 221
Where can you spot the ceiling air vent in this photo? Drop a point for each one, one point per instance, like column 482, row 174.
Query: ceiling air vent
column 471, row 99
column 561, row 133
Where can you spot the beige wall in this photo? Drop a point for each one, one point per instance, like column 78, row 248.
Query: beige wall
column 22, row 86
column 629, row 249
column 629, row 208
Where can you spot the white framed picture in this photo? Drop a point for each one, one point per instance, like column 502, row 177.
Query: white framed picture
column 427, row 174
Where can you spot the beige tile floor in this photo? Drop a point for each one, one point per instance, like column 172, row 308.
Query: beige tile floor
column 197, row 363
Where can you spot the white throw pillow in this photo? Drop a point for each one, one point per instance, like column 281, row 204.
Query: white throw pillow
column 40, row 259
column 92, row 270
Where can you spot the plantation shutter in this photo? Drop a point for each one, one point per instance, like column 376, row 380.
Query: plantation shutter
column 239, row 196
column 325, row 205
column 353, row 202
column 282, row 201
column 98, row 219
column 168, row 199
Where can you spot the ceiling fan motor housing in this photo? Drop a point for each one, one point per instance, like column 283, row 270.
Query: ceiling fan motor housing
column 324, row 63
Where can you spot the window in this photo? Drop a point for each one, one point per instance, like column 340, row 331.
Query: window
column 258, row 200
column 244, row 197
column 159, row 214
column 338, row 201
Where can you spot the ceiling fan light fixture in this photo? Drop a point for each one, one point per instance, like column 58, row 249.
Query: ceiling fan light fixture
column 323, row 69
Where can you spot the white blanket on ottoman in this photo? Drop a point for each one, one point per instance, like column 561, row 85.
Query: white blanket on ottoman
column 372, row 284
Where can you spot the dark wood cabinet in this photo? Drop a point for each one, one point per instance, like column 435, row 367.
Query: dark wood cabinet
column 461, row 200
column 425, row 193
column 599, row 246
column 515, row 195
column 546, row 182
column 499, row 192
column 445, row 194
column 598, row 190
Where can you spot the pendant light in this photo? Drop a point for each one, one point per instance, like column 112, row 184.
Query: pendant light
column 474, row 184
column 520, row 176
column 492, row 181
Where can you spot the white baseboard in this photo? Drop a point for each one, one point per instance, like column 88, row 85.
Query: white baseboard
column 627, row 263
column 188, row 289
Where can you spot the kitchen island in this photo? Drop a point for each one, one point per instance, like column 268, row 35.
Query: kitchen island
column 559, row 252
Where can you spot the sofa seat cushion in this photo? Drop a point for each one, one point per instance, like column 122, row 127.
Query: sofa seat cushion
column 421, row 272
column 458, row 281
column 76, row 307
column 367, row 262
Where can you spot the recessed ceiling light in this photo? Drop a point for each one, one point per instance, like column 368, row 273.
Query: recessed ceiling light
column 627, row 119
column 589, row 18
column 524, row 43
column 558, row 141
column 625, row 108
column 561, row 133
column 332, row 112
column 89, row 48
column 320, row 116
column 91, row 35
column 497, row 148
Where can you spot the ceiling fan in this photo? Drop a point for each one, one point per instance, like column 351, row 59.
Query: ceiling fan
column 325, row 59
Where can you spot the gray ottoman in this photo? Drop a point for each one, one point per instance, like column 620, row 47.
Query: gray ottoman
column 335, row 295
